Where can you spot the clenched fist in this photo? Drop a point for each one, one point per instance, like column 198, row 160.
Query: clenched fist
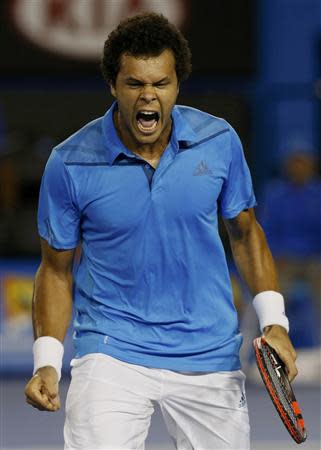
column 42, row 391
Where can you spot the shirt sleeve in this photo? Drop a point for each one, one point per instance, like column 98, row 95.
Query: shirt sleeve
column 58, row 214
column 237, row 192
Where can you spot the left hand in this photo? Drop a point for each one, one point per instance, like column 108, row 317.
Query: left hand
column 278, row 338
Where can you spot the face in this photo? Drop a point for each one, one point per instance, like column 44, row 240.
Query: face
column 146, row 90
column 300, row 167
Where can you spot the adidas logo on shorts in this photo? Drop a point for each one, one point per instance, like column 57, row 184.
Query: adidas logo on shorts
column 242, row 401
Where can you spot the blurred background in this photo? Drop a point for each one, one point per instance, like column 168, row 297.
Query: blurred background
column 257, row 64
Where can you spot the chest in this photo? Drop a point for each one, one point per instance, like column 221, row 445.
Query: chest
column 120, row 197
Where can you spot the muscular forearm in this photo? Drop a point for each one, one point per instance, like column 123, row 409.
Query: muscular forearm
column 52, row 303
column 255, row 264
column 254, row 260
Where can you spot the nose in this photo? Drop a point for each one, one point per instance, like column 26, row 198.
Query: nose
column 148, row 93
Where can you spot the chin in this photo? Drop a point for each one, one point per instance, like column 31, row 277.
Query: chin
column 149, row 139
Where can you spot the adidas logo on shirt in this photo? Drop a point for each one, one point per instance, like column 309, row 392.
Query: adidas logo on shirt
column 202, row 169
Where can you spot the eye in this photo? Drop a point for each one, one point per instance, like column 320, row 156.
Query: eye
column 134, row 84
column 162, row 84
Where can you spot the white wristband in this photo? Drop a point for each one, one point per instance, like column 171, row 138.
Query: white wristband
column 269, row 307
column 48, row 351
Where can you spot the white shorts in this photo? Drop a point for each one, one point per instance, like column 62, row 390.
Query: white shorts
column 110, row 403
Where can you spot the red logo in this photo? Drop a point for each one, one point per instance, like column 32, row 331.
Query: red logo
column 78, row 28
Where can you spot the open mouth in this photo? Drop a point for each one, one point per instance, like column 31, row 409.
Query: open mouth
column 147, row 121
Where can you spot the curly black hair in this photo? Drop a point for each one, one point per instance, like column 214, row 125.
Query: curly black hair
column 147, row 34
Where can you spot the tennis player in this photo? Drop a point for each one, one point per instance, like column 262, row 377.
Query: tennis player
column 140, row 190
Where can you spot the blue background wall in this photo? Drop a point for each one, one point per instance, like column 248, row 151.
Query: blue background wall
column 285, row 103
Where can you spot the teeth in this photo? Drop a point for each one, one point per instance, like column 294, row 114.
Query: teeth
column 147, row 115
column 147, row 129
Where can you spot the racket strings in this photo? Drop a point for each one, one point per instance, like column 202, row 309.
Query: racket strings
column 273, row 373
column 280, row 386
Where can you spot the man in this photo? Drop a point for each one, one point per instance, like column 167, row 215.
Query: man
column 140, row 189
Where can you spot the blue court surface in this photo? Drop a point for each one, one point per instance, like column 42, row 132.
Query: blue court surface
column 23, row 427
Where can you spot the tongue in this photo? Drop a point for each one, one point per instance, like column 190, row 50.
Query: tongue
column 147, row 123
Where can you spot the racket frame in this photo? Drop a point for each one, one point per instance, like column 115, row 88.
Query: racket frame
column 298, row 433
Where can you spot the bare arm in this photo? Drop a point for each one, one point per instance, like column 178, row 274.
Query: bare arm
column 256, row 266
column 52, row 298
column 251, row 253
column 51, row 315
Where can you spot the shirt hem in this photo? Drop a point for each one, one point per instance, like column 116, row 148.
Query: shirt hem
column 230, row 214
column 230, row 362
column 54, row 244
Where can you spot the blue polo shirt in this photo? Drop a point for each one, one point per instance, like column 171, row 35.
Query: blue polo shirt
column 152, row 287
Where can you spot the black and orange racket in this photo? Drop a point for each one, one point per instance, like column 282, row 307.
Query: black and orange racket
column 273, row 373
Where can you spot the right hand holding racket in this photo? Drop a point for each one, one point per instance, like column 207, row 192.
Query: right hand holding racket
column 42, row 391
column 278, row 338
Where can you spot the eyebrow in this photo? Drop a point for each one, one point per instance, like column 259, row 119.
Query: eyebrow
column 135, row 80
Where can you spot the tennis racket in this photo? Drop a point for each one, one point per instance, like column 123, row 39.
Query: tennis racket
column 274, row 376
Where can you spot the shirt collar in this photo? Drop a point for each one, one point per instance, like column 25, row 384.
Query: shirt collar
column 182, row 132
column 113, row 142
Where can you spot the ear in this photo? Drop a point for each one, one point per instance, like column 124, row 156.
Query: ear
column 112, row 90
